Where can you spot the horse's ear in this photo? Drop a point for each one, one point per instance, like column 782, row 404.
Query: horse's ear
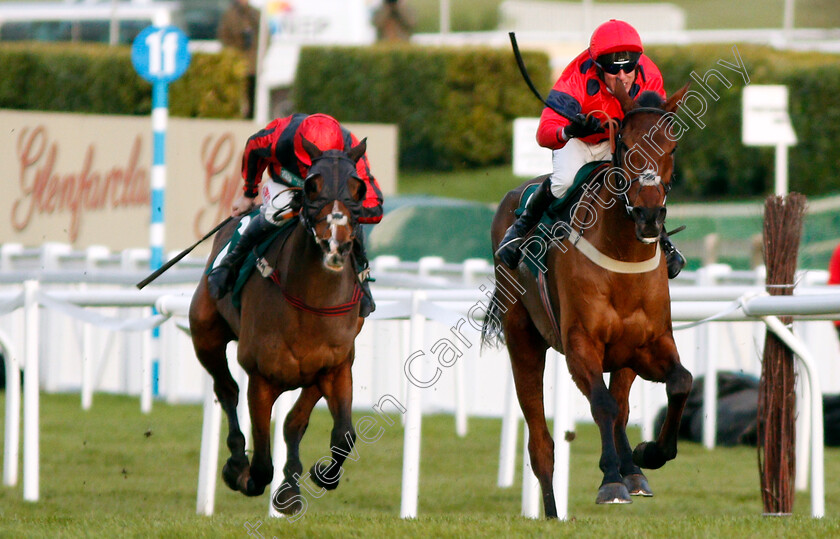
column 356, row 152
column 627, row 103
column 673, row 102
column 313, row 151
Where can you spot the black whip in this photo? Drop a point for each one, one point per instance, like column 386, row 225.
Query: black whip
column 181, row 255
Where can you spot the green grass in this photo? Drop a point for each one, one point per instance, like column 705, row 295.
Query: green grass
column 103, row 476
column 487, row 185
column 480, row 15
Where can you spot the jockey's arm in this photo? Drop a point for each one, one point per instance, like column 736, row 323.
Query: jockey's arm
column 372, row 205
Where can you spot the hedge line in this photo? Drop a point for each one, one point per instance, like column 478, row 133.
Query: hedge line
column 712, row 162
column 99, row 79
column 453, row 106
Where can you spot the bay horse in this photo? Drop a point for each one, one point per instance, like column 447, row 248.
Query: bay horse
column 611, row 315
column 295, row 329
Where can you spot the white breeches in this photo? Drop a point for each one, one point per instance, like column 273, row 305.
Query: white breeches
column 276, row 196
column 568, row 160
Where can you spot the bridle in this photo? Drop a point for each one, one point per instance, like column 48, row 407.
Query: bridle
column 335, row 218
column 619, row 147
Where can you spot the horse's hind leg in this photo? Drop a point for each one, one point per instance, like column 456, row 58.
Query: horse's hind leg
column 527, row 356
column 210, row 335
column 337, row 387
column 632, row 476
column 678, row 381
column 286, row 500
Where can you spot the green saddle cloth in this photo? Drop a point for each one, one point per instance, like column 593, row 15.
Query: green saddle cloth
column 250, row 262
column 560, row 209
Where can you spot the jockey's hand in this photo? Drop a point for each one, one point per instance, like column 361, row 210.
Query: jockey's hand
column 242, row 205
column 582, row 126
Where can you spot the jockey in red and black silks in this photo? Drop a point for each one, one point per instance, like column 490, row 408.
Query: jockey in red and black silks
column 278, row 149
column 615, row 56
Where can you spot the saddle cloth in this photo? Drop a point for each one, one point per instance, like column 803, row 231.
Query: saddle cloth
column 559, row 211
column 249, row 264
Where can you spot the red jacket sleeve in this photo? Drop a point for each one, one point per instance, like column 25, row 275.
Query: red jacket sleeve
column 372, row 205
column 259, row 153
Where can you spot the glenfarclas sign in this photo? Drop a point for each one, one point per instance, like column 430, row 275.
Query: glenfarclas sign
column 43, row 189
column 84, row 179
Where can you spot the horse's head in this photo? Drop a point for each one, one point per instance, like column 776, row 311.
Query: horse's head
column 332, row 200
column 644, row 153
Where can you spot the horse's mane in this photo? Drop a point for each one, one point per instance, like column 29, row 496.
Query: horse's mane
column 649, row 98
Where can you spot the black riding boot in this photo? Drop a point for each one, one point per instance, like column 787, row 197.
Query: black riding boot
column 673, row 258
column 508, row 251
column 222, row 278
column 366, row 304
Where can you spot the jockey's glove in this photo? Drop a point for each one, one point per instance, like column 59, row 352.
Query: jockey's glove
column 582, row 126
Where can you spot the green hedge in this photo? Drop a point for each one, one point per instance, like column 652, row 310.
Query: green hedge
column 454, row 107
column 712, row 162
column 99, row 79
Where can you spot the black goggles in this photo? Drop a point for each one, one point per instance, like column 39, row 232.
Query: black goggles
column 618, row 61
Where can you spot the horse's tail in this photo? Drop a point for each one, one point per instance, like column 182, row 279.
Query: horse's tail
column 492, row 333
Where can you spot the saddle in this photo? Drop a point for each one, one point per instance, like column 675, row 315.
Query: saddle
column 250, row 263
column 559, row 211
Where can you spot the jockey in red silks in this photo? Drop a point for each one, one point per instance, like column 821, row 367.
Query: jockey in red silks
column 615, row 56
column 278, row 148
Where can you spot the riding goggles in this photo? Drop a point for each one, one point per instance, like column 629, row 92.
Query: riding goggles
column 614, row 62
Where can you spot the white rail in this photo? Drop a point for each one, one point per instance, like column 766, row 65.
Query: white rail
column 449, row 307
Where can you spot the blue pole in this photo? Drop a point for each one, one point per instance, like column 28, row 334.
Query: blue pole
column 157, row 229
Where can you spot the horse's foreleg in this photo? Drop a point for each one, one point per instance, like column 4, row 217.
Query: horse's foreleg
column 527, row 359
column 632, row 476
column 261, row 397
column 585, row 360
column 337, row 386
column 286, row 498
column 677, row 386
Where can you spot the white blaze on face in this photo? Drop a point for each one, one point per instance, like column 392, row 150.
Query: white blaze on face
column 334, row 229
column 649, row 177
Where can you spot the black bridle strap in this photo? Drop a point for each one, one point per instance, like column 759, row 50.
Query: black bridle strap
column 619, row 145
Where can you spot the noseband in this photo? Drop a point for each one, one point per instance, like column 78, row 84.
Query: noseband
column 648, row 178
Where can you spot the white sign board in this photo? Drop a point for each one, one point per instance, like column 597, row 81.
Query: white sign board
column 529, row 158
column 292, row 24
column 321, row 22
column 765, row 116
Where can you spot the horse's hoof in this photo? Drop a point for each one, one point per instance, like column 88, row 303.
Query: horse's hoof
column 287, row 499
column 252, row 488
column 232, row 470
column 649, row 455
column 613, row 493
column 323, row 477
column 637, row 485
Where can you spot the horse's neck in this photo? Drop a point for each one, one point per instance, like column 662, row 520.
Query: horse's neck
column 614, row 233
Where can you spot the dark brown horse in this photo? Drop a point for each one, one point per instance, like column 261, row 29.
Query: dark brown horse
column 608, row 313
column 295, row 330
